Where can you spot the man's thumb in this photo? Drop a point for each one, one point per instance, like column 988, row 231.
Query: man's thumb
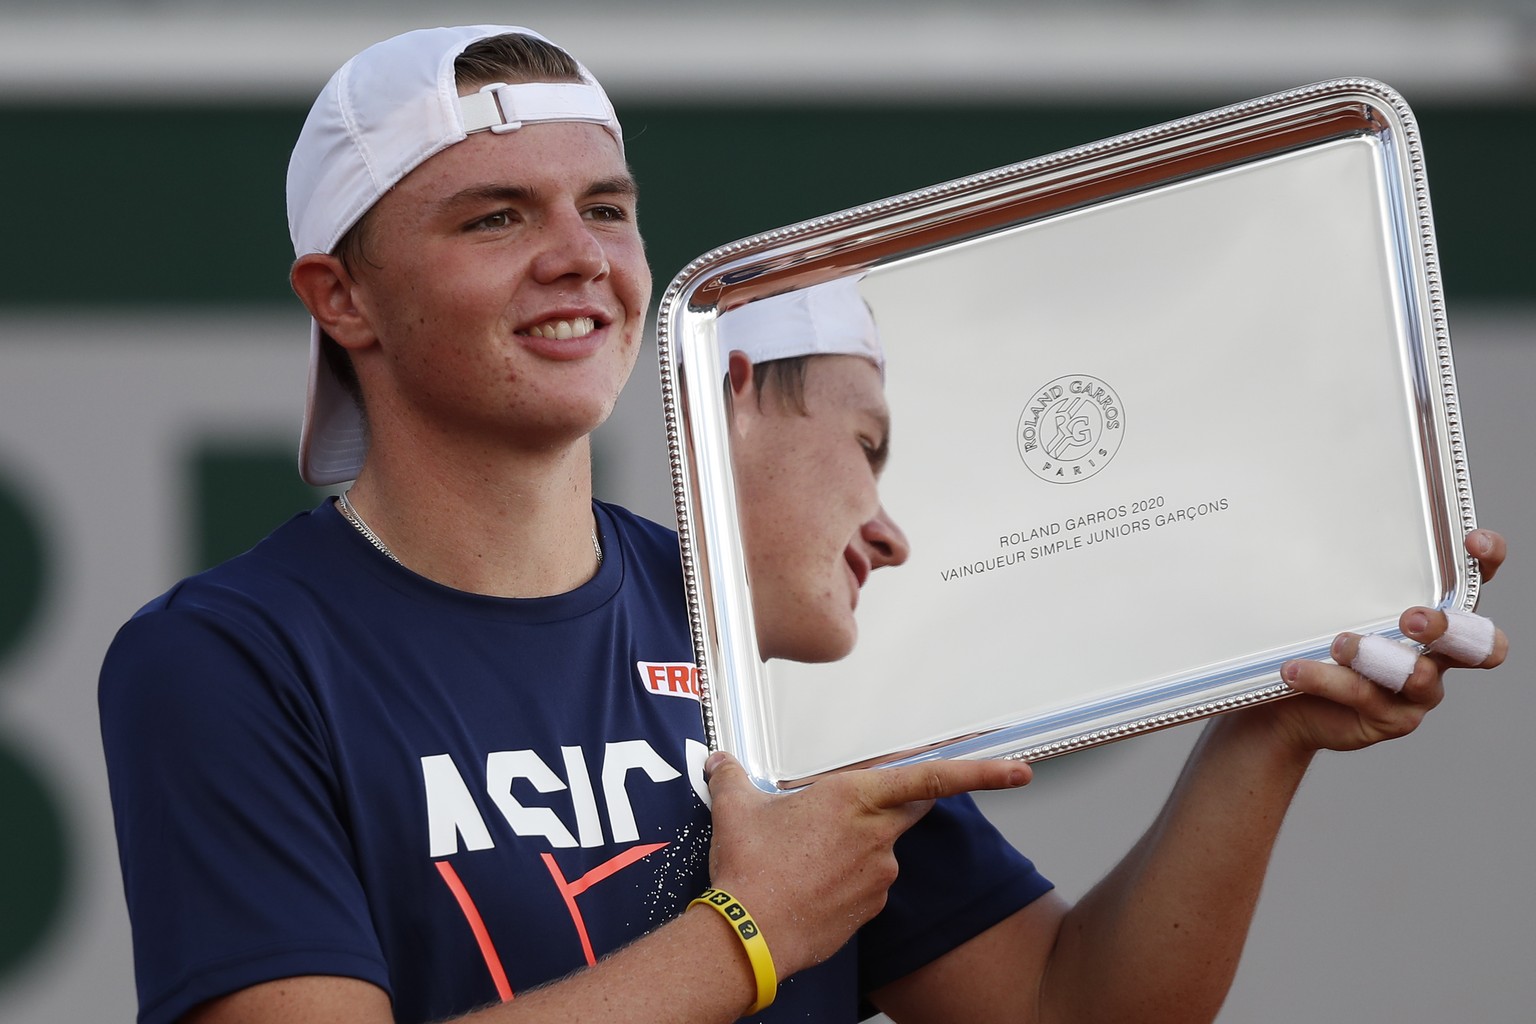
column 716, row 762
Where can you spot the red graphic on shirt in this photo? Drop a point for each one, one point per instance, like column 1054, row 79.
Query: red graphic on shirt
column 569, row 890
column 670, row 678
column 476, row 925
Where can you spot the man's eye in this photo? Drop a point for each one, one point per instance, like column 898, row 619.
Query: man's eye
column 608, row 212
column 876, row 452
column 494, row 222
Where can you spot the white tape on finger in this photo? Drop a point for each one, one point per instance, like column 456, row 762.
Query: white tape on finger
column 1385, row 662
column 1468, row 638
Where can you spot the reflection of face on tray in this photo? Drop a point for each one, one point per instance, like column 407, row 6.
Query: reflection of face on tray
column 810, row 433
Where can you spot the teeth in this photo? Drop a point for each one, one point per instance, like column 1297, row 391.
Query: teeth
column 564, row 330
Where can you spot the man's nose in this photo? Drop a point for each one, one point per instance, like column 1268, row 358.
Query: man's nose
column 888, row 544
column 568, row 247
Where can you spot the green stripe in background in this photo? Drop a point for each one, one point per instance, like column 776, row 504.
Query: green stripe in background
column 159, row 205
column 35, row 864
column 34, row 856
column 242, row 491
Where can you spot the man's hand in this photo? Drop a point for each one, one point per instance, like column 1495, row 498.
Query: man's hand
column 814, row 865
column 1342, row 710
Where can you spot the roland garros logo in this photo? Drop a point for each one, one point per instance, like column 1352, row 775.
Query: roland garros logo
column 1070, row 429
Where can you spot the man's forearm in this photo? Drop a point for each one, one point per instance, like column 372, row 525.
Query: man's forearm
column 690, row 971
column 1160, row 937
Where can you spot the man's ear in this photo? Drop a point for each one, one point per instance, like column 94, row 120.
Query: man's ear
column 741, row 395
column 743, row 385
column 743, row 411
column 323, row 283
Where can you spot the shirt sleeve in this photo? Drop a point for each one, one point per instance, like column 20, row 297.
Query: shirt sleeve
column 236, row 865
column 958, row 877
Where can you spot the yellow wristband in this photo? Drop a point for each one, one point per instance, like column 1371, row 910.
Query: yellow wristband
column 751, row 940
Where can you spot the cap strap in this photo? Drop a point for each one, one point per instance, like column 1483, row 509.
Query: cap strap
column 505, row 108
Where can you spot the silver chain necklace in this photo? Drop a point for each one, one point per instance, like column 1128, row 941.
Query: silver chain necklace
column 350, row 515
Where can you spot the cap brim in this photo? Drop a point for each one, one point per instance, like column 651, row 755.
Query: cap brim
column 333, row 440
column 831, row 318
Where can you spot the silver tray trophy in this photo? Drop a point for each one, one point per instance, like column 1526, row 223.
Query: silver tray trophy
column 1167, row 410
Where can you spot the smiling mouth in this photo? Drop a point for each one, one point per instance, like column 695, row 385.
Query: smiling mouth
column 562, row 330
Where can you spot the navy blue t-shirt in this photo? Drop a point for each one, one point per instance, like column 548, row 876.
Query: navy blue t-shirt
column 322, row 763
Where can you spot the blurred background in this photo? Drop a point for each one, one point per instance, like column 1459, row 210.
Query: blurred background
column 152, row 366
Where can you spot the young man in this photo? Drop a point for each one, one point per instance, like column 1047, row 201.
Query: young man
column 411, row 755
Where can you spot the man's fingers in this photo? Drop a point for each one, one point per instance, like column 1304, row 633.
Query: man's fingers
column 931, row 780
column 722, row 772
column 1469, row 638
column 1464, row 638
column 1454, row 637
column 1489, row 548
column 719, row 759
column 891, row 787
column 1384, row 662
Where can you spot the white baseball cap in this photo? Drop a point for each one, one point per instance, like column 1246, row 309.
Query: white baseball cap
column 383, row 114
column 824, row 319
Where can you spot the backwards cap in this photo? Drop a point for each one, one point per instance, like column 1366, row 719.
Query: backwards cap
column 825, row 319
column 383, row 114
